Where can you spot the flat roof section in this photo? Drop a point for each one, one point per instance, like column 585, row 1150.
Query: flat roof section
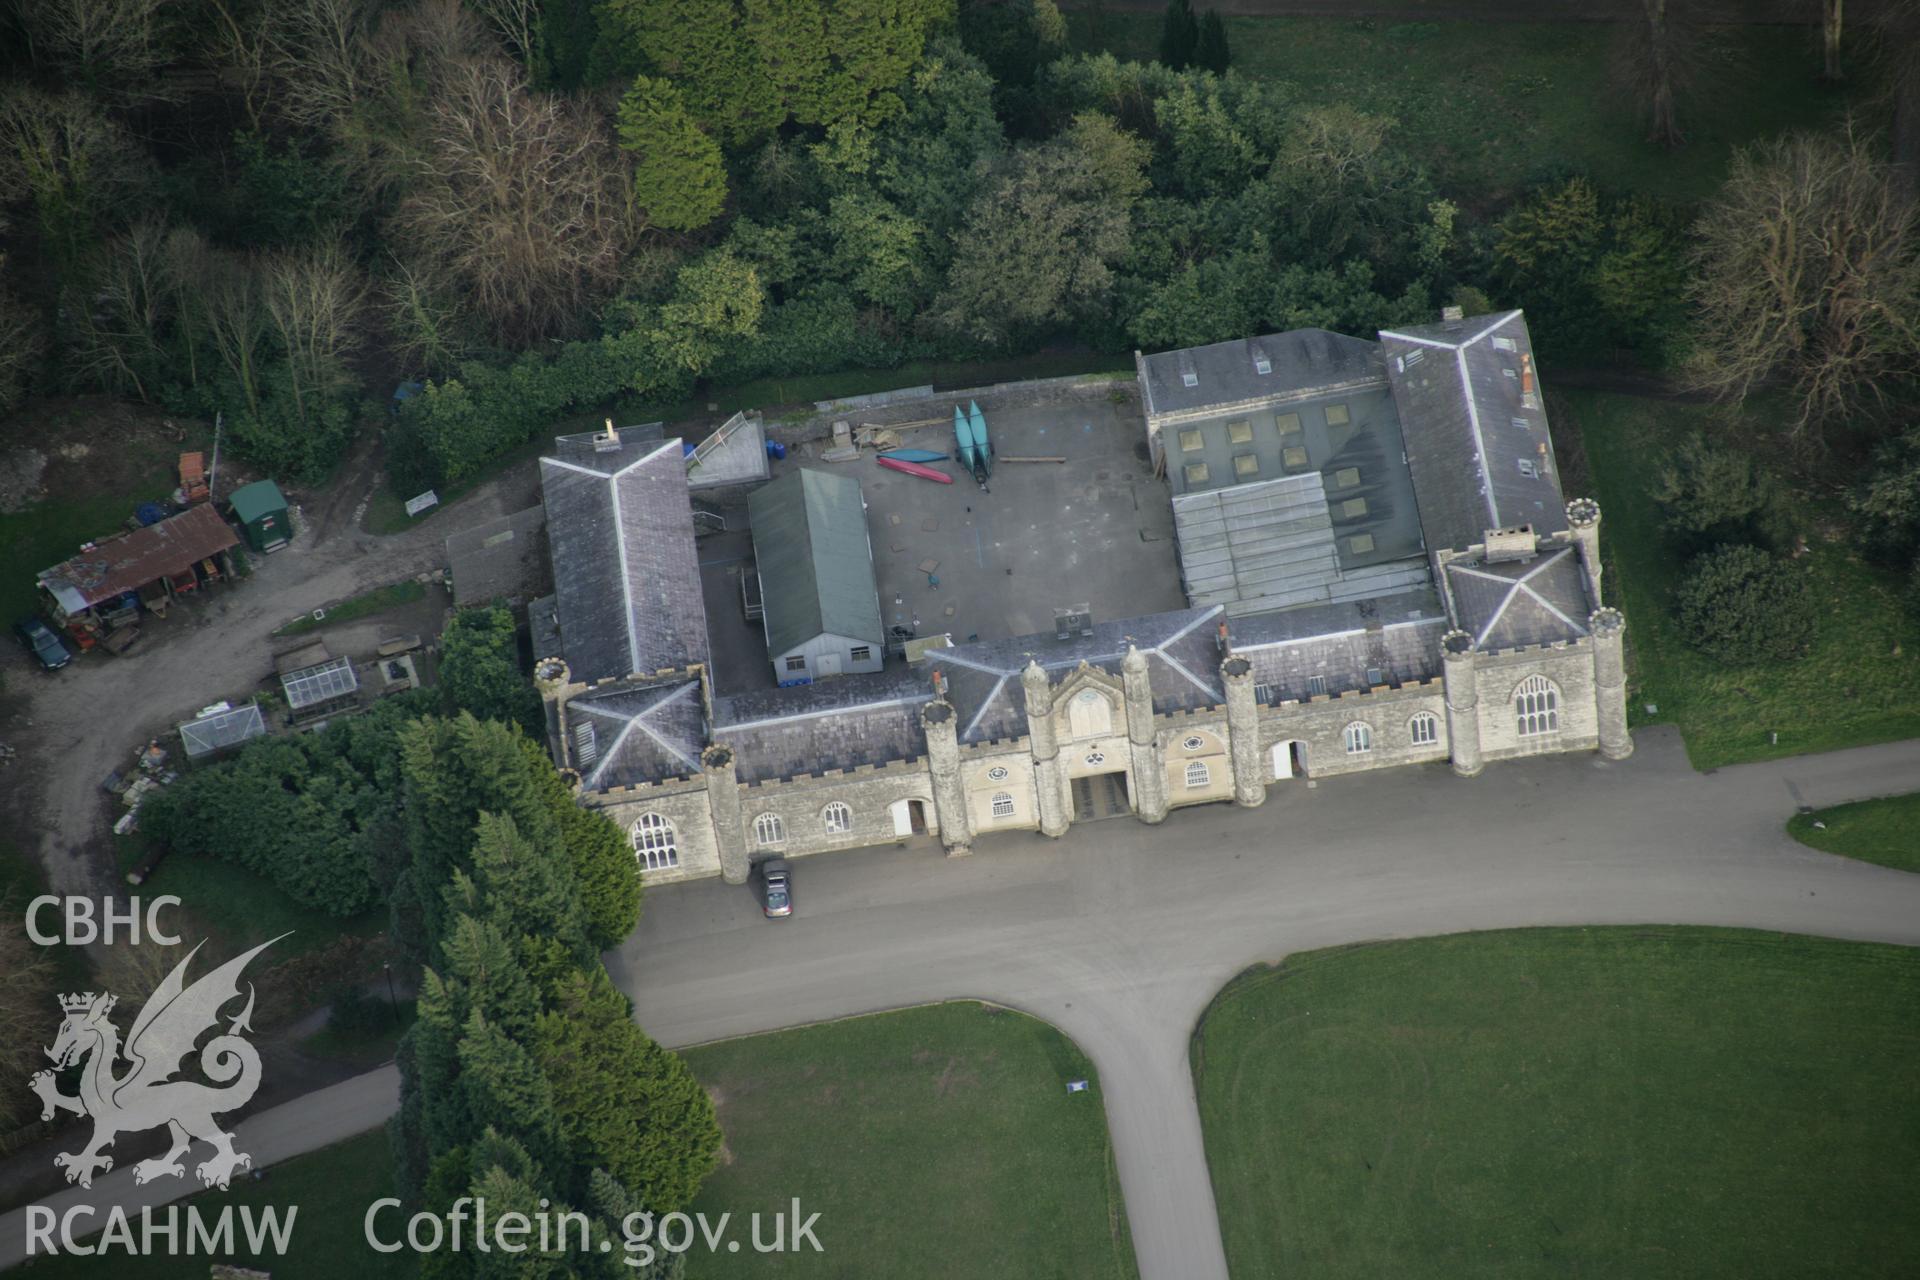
column 1093, row 530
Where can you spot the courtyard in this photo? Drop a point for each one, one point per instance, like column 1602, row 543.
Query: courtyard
column 1092, row 532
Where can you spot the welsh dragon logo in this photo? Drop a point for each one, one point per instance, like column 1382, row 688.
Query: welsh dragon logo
column 146, row 1095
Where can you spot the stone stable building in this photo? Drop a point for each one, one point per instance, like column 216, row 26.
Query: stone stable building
column 1381, row 568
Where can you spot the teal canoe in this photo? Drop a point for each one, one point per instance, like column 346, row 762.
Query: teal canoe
column 915, row 455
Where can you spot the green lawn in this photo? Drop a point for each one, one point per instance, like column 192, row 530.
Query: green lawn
column 1492, row 106
column 933, row 1142
column 1886, row 831
column 1569, row 1102
column 1859, row 684
column 240, row 907
column 331, row 1189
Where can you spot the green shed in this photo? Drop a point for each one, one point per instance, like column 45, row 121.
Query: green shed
column 261, row 509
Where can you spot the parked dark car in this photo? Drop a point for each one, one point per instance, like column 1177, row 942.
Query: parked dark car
column 776, row 888
column 42, row 643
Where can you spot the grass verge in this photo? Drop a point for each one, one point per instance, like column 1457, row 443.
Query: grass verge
column 939, row 1141
column 379, row 600
column 1543, row 97
column 242, row 908
column 1859, row 683
column 1886, row 831
column 1670, row 1102
column 331, row 1188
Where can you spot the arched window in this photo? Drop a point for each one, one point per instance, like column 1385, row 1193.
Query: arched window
column 770, row 831
column 1359, row 738
column 1536, row 706
column 837, row 818
column 653, row 843
column 1090, row 715
column 1198, row 775
column 1002, row 805
column 1424, row 729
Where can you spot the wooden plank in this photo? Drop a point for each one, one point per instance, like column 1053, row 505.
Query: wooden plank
column 1041, row 459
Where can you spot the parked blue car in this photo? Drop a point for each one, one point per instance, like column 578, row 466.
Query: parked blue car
column 42, row 643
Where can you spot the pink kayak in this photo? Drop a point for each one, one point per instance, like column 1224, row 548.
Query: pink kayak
column 915, row 469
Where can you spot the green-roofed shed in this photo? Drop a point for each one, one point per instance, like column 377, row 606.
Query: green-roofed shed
column 815, row 563
column 261, row 509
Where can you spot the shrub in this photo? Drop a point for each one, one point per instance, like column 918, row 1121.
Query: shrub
column 1888, row 501
column 1740, row 605
column 1712, row 494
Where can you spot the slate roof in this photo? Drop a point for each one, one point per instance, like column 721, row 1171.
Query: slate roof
column 825, row 726
column 1229, row 372
column 815, row 562
column 626, row 576
column 636, row 732
column 119, row 565
column 1273, row 545
column 1476, row 439
column 1394, row 637
column 983, row 680
column 1538, row 600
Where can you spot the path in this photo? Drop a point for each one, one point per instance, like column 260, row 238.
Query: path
column 1120, row 934
column 85, row 721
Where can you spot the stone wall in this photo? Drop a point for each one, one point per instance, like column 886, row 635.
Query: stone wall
column 1498, row 675
column 1322, row 723
column 684, row 804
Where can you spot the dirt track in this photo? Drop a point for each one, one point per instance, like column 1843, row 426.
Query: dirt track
column 73, row 727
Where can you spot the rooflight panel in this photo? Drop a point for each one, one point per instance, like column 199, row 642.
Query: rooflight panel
column 1337, row 415
column 1240, row 432
column 1191, row 439
column 1245, row 464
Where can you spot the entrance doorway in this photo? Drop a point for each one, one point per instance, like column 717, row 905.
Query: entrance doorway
column 1100, row 795
column 909, row 817
column 1289, row 760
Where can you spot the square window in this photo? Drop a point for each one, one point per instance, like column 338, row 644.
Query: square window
column 1337, row 415
column 796, row 664
column 1294, row 458
column 1316, row 685
column 1245, row 464
column 1353, row 508
column 1286, row 422
column 861, row 653
column 1240, row 432
column 1189, row 379
column 1346, row 477
column 1197, row 473
column 1373, row 677
column 1504, row 344
column 1360, row 544
column 1262, row 365
column 1191, row 439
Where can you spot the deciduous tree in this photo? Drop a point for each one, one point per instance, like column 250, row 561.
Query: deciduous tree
column 1038, row 247
column 1807, row 275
